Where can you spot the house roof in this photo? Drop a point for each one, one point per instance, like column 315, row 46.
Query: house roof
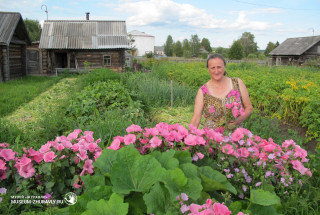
column 84, row 34
column 139, row 33
column 12, row 28
column 159, row 48
column 295, row 46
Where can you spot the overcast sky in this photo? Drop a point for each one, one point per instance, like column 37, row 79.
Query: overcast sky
column 221, row 22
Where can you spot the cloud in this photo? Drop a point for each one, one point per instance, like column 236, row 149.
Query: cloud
column 168, row 12
column 19, row 5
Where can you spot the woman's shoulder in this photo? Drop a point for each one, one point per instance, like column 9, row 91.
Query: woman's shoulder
column 204, row 89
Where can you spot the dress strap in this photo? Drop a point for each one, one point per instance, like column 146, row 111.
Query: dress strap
column 235, row 84
column 204, row 89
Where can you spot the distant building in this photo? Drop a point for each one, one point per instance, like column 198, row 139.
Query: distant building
column 159, row 51
column 296, row 51
column 80, row 43
column 14, row 39
column 144, row 43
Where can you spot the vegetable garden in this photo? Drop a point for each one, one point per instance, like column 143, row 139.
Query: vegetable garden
column 116, row 142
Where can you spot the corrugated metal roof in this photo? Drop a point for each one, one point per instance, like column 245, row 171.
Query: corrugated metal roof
column 9, row 21
column 87, row 34
column 295, row 46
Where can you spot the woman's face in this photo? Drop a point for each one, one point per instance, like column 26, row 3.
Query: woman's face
column 216, row 68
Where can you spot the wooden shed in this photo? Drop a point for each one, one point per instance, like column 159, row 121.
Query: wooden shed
column 83, row 43
column 14, row 39
column 296, row 51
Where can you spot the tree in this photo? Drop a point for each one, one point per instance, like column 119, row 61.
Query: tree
column 248, row 44
column 206, row 44
column 33, row 28
column 168, row 47
column 269, row 48
column 195, row 45
column 222, row 51
column 236, row 51
column 177, row 49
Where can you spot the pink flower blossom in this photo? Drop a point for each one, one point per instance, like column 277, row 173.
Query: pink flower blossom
column 235, row 112
column 200, row 155
column 45, row 148
column 82, row 155
column 244, row 152
column 26, row 171
column 228, row 149
column 7, row 154
column 297, row 165
column 75, row 147
column 237, row 135
column 191, row 140
column 269, row 147
column 184, row 208
column 155, row 142
column 130, row 138
column 115, row 145
column 2, row 165
column 221, row 209
column 184, row 197
column 87, row 167
column 72, row 136
column 49, row 157
column 92, row 147
column 134, row 128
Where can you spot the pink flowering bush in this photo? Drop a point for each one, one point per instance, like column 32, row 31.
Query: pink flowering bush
column 57, row 166
column 246, row 159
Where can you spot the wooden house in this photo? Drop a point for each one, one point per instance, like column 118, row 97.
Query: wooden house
column 81, row 44
column 296, row 51
column 14, row 39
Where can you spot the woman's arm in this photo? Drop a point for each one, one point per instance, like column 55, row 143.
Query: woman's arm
column 198, row 109
column 245, row 101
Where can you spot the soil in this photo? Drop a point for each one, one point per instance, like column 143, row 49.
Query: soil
column 310, row 146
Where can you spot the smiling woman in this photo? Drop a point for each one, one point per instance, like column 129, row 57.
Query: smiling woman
column 218, row 95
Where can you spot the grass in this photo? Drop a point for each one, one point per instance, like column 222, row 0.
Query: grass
column 18, row 92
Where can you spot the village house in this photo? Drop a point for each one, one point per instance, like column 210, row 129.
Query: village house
column 83, row 44
column 142, row 42
column 159, row 51
column 296, row 51
column 14, row 39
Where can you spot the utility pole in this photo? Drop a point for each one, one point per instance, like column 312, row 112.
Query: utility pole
column 45, row 9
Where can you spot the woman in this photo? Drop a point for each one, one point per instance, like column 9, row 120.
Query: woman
column 218, row 91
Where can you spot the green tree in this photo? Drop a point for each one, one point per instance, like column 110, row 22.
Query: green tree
column 33, row 28
column 168, row 47
column 248, row 44
column 223, row 51
column 195, row 45
column 177, row 49
column 269, row 48
column 206, row 44
column 236, row 51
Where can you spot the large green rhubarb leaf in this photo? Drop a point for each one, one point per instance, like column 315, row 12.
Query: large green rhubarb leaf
column 213, row 180
column 134, row 172
column 265, row 198
column 105, row 162
column 158, row 201
column 114, row 206
column 166, row 159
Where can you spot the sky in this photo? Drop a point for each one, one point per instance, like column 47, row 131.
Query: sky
column 222, row 22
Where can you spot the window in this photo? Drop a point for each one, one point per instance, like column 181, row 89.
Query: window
column 107, row 60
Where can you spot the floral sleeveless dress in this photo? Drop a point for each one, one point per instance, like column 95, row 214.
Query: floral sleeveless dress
column 214, row 108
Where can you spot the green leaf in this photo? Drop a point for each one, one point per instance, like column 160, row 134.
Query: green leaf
column 114, row 206
column 134, row 172
column 174, row 181
column 183, row 157
column 213, row 180
column 158, row 201
column 190, row 170
column 46, row 168
column 91, row 181
column 95, row 193
column 105, row 161
column 265, row 198
column 137, row 205
column 235, row 207
column 49, row 186
column 166, row 159
column 263, row 210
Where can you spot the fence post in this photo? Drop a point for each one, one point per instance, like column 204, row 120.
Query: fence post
column 171, row 93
